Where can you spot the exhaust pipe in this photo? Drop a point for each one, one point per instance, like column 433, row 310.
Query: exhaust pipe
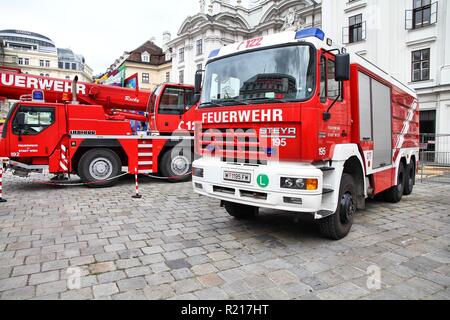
column 74, row 90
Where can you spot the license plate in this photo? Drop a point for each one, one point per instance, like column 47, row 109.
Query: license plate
column 237, row 176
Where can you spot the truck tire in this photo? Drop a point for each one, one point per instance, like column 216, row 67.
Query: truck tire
column 338, row 225
column 240, row 211
column 99, row 168
column 410, row 179
column 395, row 194
column 176, row 166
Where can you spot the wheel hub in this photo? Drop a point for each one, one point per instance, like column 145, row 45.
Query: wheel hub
column 180, row 165
column 101, row 169
column 348, row 208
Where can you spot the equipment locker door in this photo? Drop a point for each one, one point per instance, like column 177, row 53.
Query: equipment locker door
column 375, row 119
column 39, row 135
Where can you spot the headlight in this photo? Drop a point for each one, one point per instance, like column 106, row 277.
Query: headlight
column 299, row 184
column 198, row 172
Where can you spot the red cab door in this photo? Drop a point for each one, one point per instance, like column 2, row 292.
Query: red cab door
column 38, row 135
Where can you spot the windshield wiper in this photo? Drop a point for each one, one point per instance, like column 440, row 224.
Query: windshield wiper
column 234, row 101
column 210, row 104
column 274, row 100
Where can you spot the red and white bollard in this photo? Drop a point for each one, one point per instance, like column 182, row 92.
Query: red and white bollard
column 137, row 195
column 1, row 183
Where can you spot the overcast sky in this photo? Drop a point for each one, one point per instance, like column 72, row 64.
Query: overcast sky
column 101, row 30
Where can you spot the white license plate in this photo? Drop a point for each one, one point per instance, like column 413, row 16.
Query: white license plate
column 237, row 176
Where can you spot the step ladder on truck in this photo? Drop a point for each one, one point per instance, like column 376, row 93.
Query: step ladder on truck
column 303, row 126
column 68, row 127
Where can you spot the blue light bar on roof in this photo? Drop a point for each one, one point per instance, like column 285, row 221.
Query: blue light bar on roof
column 38, row 95
column 214, row 53
column 310, row 32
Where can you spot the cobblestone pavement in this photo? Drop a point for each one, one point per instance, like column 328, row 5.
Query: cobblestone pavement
column 173, row 244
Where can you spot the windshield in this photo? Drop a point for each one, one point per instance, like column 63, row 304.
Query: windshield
column 278, row 74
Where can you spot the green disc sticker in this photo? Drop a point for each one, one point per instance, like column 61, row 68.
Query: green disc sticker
column 263, row 180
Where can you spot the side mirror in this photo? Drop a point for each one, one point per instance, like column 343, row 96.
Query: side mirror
column 196, row 98
column 198, row 82
column 20, row 120
column 342, row 67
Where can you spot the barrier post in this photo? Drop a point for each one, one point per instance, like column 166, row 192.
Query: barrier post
column 1, row 183
column 137, row 195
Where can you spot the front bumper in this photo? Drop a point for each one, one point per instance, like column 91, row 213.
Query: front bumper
column 273, row 196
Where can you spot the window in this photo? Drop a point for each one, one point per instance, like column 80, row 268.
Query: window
column 47, row 63
column 355, row 29
column 47, row 75
column 422, row 13
column 323, row 82
column 36, row 120
column 176, row 101
column 145, row 78
column 181, row 52
column 145, row 57
column 181, row 77
column 67, row 77
column 200, row 66
column 421, row 65
column 61, row 65
column 20, row 61
column 41, row 63
column 67, row 66
column 329, row 87
column 199, row 47
column 74, row 66
column 167, row 76
column 332, row 84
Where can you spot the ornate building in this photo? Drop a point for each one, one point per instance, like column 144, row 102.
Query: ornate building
column 223, row 22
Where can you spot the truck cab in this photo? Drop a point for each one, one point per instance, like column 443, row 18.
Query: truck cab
column 291, row 122
column 171, row 108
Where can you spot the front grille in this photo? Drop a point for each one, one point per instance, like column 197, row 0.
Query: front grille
column 253, row 195
column 218, row 189
column 241, row 146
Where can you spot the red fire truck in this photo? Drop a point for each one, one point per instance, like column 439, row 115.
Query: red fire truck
column 68, row 127
column 290, row 122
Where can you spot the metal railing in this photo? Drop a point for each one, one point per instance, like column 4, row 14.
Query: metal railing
column 435, row 158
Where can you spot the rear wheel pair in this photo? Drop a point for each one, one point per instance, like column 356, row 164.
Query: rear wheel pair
column 406, row 179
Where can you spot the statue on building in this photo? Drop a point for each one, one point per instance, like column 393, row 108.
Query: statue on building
column 202, row 6
column 292, row 21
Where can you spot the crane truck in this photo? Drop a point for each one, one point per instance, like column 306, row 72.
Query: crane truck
column 68, row 127
column 292, row 122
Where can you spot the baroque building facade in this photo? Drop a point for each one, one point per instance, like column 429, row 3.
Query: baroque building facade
column 223, row 22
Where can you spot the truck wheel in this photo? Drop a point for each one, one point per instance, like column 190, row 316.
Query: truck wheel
column 410, row 180
column 395, row 194
column 338, row 225
column 99, row 167
column 240, row 211
column 176, row 166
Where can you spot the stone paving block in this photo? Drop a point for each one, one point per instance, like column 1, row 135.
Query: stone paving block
column 186, row 286
column 81, row 294
column 159, row 278
column 102, row 267
column 43, row 277
column 344, row 291
column 203, row 269
column 161, row 292
column 105, row 290
column 281, row 277
column 49, row 288
column 138, row 271
column 211, row 280
column 178, row 264
column 180, row 274
column 212, row 294
column 112, row 276
column 132, row 284
column 24, row 293
column 26, row 269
